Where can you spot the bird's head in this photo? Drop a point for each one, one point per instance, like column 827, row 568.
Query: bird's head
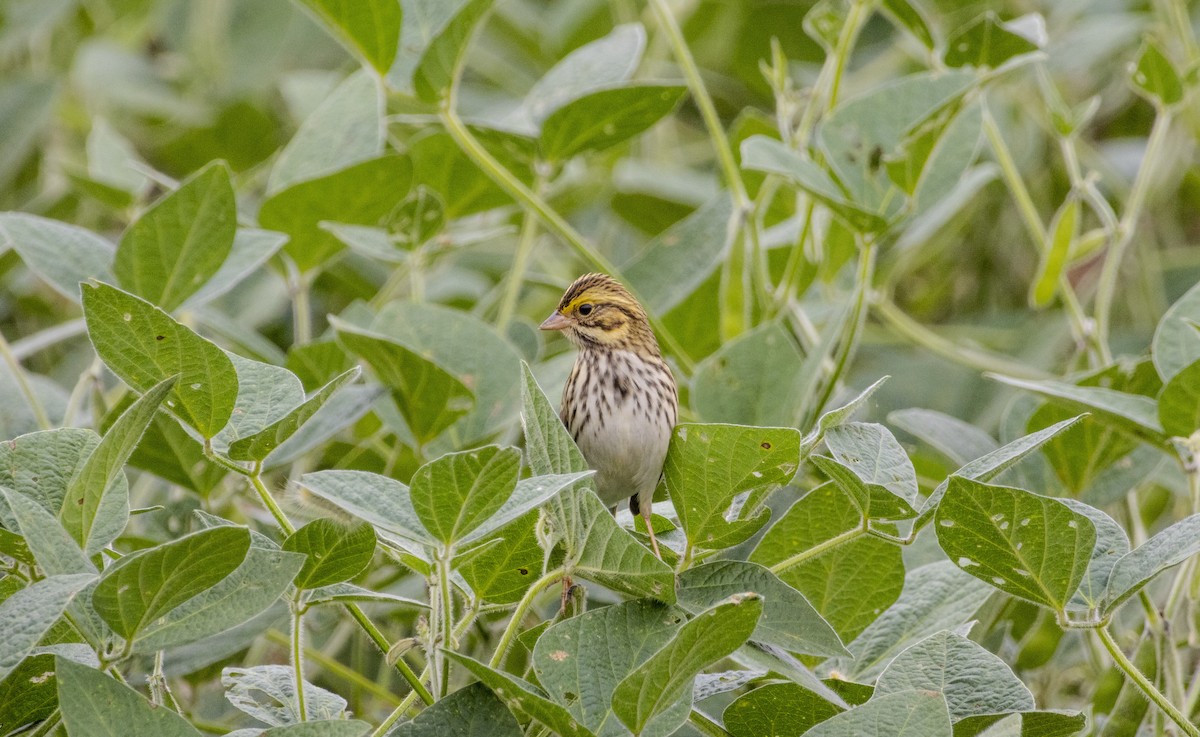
column 596, row 311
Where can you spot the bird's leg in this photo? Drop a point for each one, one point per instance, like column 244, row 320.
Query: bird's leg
column 650, row 530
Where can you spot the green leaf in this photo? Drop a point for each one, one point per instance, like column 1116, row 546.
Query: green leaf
column 761, row 153
column 1176, row 339
column 753, row 460
column 29, row 694
column 265, row 394
column 250, row 590
column 961, row 442
column 454, row 494
column 51, row 545
column 268, row 693
column 145, row 585
column 30, row 613
column 62, row 255
column 1155, row 77
column 680, row 258
column 936, row 597
column 343, row 409
column 529, row 494
column 523, row 698
column 465, row 189
column 178, row 244
column 333, row 552
column 876, row 566
column 1064, row 231
column 605, row 118
column 1179, row 402
column 346, row 128
column 1133, row 414
column 505, row 562
column 667, row 675
column 143, row 346
column 985, row 42
column 430, row 397
column 909, row 16
column 905, row 714
column 612, row 557
column 973, row 680
column 363, row 193
column 447, row 42
column 94, row 704
column 788, row 620
column 1134, row 570
column 368, row 28
column 580, row 661
column 251, row 249
column 1111, row 545
column 382, row 501
column 835, row 417
column 339, row 593
column 96, row 508
column 776, row 710
column 751, row 380
column 875, row 458
column 1027, row 545
column 40, row 465
column 259, row 445
column 473, row 711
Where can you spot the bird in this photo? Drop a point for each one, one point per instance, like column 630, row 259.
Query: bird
column 620, row 402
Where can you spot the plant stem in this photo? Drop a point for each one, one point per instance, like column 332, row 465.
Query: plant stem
column 19, row 376
column 398, row 712
column 705, row 724
column 841, row 53
column 335, row 668
column 298, row 656
column 48, row 725
column 1139, row 679
column 298, row 286
column 269, row 502
column 819, row 549
column 847, row 344
column 516, row 276
column 382, row 643
column 514, row 624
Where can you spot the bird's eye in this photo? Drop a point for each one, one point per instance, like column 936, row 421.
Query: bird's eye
column 585, row 310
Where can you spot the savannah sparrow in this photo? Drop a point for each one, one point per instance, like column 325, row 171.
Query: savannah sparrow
column 620, row 401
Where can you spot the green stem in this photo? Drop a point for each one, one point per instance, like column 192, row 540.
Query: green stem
column 48, row 725
column 298, row 656
column 335, row 668
column 819, row 549
column 1139, row 679
column 18, row 374
column 514, row 624
column 705, row 724
column 382, row 643
column 269, row 502
column 298, row 285
column 398, row 712
column 841, row 53
column 516, row 275
column 845, row 351
column 1107, row 286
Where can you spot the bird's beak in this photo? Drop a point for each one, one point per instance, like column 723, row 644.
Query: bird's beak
column 556, row 321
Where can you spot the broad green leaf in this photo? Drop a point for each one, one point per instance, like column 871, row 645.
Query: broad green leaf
column 1026, row 724
column 909, row 16
column 1134, row 570
column 1064, row 231
column 112, row 159
column 145, row 585
column 788, row 620
column 382, row 501
column 62, row 255
column 1111, row 545
column 30, row 613
column 341, row 410
column 1027, row 545
column 259, row 445
column 972, row 680
column 339, row 593
column 268, row 693
column 14, row 546
column 529, row 494
column 346, row 128
column 1176, row 339
column 251, row 249
column 824, row 23
column 323, row 728
column 96, row 508
column 985, row 42
column 761, row 153
column 169, row 452
column 430, row 397
column 751, row 380
column 667, row 675
column 1179, row 402
column 334, row 552
column 94, row 704
column 249, row 591
column 29, row 694
column 363, row 193
column 580, row 661
column 876, row 459
column 40, row 465
column 835, row 417
column 368, row 28
column 876, row 566
column 936, row 597
column 605, row 118
column 752, row 460
column 143, row 345
column 776, row 710
column 178, row 244
column 52, row 546
column 265, row 395
column 457, row 492
column 1131, row 413
column 442, row 167
column 523, row 698
column 504, row 564
column 1155, row 77
column 447, row 42
column 680, row 258
column 473, row 711
column 612, row 557
column 905, row 714
column 959, row 441
column 27, row 104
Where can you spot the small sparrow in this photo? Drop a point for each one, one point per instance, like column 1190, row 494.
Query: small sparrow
column 620, row 402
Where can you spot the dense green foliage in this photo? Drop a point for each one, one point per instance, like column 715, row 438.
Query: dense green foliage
column 281, row 448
